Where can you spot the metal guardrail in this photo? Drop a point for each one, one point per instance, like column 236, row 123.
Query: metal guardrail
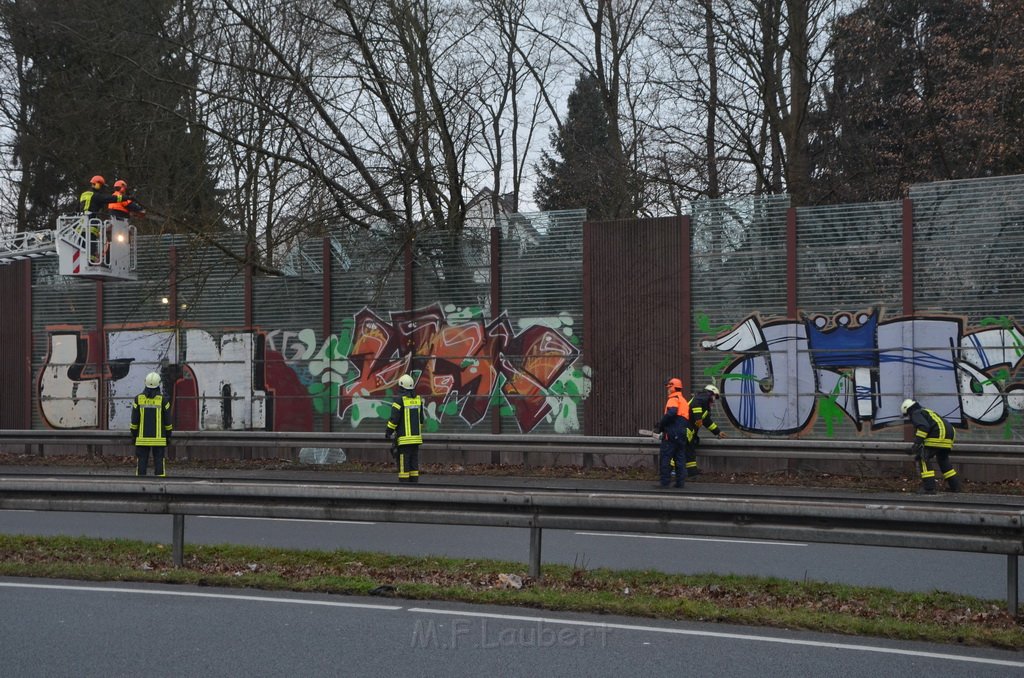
column 868, row 523
column 773, row 448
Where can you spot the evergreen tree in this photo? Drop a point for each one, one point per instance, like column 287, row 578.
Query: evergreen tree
column 924, row 90
column 102, row 92
column 584, row 172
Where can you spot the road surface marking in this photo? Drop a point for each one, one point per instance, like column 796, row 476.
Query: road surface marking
column 718, row 634
column 193, row 594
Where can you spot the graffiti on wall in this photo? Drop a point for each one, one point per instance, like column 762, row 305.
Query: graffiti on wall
column 782, row 373
column 281, row 379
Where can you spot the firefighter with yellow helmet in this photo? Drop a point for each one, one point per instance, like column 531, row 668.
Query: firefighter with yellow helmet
column 151, row 426
column 406, row 426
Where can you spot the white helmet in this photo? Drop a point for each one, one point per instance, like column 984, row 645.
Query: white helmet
column 152, row 380
column 405, row 381
column 713, row 389
column 907, row 404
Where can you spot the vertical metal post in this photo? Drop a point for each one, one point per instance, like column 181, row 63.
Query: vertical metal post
column 535, row 552
column 1012, row 597
column 178, row 540
column 495, row 312
column 328, row 323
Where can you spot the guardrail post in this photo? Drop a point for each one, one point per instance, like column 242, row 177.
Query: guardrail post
column 1011, row 584
column 535, row 552
column 178, row 540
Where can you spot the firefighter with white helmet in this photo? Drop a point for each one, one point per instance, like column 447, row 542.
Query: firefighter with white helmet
column 700, row 415
column 407, row 422
column 151, row 426
column 933, row 438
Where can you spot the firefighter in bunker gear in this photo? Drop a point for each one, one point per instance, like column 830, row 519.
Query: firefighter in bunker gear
column 407, row 422
column 676, row 432
column 121, row 206
column 92, row 200
column 700, row 415
column 933, row 437
column 151, row 426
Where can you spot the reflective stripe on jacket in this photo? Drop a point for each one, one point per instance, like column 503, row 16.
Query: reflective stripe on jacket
column 407, row 419
column 151, row 420
column 932, row 430
column 700, row 410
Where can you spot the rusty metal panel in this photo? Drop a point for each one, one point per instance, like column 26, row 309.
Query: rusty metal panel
column 15, row 337
column 637, row 311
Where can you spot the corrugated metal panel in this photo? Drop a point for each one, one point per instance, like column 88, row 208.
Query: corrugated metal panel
column 15, row 372
column 739, row 269
column 637, row 315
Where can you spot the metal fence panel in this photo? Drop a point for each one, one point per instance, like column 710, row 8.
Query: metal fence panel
column 542, row 297
column 849, row 260
column 288, row 314
column 738, row 268
column 968, row 245
column 367, row 286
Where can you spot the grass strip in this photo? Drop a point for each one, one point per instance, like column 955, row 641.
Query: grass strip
column 760, row 601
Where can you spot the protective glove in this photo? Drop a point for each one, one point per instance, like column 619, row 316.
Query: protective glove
column 387, row 434
column 657, row 427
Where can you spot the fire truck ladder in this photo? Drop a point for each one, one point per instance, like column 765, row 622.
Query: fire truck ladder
column 26, row 245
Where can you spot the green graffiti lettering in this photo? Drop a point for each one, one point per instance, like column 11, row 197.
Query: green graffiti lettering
column 704, row 324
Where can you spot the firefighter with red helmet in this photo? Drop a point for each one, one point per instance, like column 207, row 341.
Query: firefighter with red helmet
column 92, row 200
column 700, row 415
column 676, row 432
column 122, row 205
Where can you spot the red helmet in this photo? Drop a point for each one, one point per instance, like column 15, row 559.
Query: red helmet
column 98, row 180
column 674, row 384
column 120, row 185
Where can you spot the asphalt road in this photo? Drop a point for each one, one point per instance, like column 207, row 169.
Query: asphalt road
column 54, row 628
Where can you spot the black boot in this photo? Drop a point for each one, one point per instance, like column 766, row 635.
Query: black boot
column 954, row 484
